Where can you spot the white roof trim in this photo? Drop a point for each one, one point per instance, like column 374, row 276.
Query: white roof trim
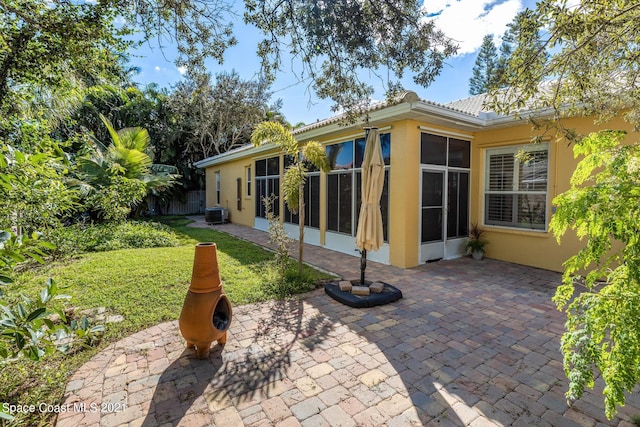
column 407, row 104
column 235, row 154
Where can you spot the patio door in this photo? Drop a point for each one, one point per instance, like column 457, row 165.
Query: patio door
column 444, row 213
column 444, row 197
column 432, row 215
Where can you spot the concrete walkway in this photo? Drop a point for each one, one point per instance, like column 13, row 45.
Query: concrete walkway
column 470, row 344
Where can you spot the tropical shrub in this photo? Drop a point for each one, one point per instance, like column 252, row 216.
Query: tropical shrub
column 33, row 190
column 15, row 249
column 600, row 292
column 295, row 174
column 32, row 328
column 290, row 284
column 278, row 237
column 26, row 326
column 79, row 238
column 114, row 178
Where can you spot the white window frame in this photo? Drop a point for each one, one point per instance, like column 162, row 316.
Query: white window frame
column 218, row 188
column 354, row 171
column 287, row 218
column 270, row 180
column 248, row 184
column 515, row 182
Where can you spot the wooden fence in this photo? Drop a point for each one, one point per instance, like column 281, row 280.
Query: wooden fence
column 194, row 203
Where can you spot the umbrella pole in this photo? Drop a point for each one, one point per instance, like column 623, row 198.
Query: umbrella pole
column 363, row 265
column 363, row 253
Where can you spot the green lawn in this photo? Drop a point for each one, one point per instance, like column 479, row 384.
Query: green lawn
column 146, row 287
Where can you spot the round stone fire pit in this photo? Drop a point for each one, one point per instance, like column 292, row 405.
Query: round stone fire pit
column 358, row 296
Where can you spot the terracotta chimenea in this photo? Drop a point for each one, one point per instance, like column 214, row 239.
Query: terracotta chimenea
column 206, row 313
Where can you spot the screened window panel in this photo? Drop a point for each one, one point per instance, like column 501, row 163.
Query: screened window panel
column 385, row 143
column 361, row 144
column 340, row 155
column 432, row 188
column 463, row 205
column 261, row 167
column 339, row 202
column 307, row 201
column 358, row 195
column 274, row 188
column 310, row 166
column 332, row 202
column 459, row 153
column 431, row 225
column 452, row 207
column 264, row 188
column 346, row 198
column 458, row 204
column 288, row 160
column 433, row 149
column 384, row 206
column 313, row 203
column 261, row 191
column 289, row 216
column 273, row 166
column 384, row 202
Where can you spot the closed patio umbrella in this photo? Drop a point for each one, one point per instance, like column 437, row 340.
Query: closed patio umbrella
column 369, row 236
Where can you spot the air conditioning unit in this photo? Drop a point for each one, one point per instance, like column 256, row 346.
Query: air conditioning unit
column 216, row 215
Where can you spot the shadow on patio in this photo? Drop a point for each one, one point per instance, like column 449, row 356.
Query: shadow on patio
column 471, row 343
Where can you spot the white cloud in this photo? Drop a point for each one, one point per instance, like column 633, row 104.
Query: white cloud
column 182, row 70
column 157, row 68
column 468, row 21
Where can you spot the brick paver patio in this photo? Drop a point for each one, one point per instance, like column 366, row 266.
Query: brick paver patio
column 470, row 344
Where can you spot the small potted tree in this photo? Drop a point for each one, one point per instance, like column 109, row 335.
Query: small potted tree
column 476, row 242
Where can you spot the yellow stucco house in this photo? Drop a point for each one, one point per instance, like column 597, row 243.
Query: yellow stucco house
column 447, row 166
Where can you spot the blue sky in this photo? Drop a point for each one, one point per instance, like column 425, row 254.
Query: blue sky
column 466, row 21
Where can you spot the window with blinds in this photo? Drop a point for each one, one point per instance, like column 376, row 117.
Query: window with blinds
column 516, row 183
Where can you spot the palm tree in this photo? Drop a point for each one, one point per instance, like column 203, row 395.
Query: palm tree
column 296, row 174
column 117, row 177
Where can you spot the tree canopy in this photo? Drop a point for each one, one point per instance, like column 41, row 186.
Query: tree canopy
column 582, row 60
column 341, row 44
column 490, row 66
column 603, row 322
column 56, row 44
column 218, row 116
column 210, row 115
column 485, row 68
